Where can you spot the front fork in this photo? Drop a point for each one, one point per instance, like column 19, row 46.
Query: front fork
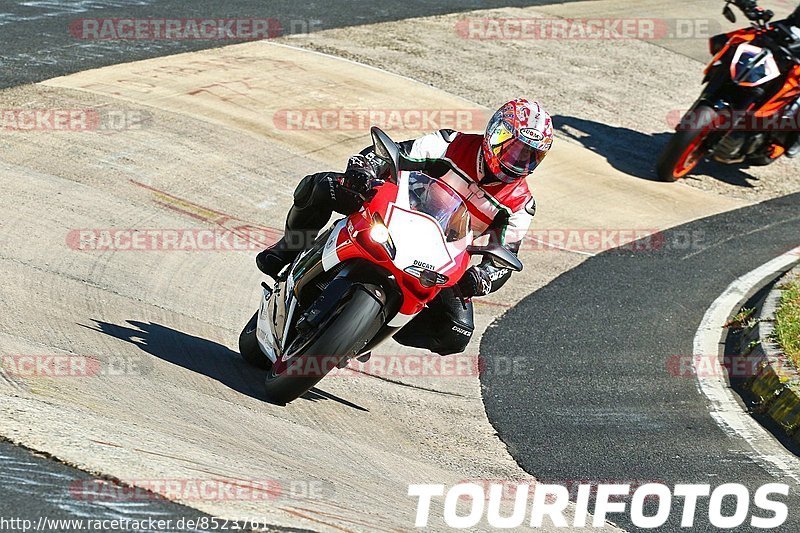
column 730, row 142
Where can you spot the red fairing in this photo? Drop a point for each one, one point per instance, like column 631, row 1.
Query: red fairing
column 354, row 241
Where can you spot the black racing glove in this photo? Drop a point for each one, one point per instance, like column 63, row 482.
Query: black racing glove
column 360, row 177
column 746, row 5
column 485, row 278
column 476, row 281
column 752, row 11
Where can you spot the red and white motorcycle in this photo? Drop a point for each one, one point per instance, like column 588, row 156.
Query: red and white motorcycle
column 364, row 278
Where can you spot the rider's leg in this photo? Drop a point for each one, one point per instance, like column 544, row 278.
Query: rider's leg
column 445, row 327
column 315, row 199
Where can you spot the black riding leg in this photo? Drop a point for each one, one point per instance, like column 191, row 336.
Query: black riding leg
column 315, row 199
column 444, row 327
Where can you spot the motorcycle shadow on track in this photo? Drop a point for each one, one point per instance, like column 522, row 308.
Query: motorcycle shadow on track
column 635, row 153
column 201, row 355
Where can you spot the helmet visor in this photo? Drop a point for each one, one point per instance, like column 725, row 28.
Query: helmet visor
column 516, row 157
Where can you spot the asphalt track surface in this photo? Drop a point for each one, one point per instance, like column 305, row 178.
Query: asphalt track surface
column 37, row 43
column 32, row 487
column 597, row 346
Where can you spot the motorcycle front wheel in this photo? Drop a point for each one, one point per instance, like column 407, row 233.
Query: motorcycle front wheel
column 343, row 336
column 687, row 147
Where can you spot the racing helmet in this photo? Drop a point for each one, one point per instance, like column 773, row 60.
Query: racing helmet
column 517, row 138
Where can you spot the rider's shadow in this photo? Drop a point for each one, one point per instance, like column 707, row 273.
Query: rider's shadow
column 636, row 153
column 201, row 355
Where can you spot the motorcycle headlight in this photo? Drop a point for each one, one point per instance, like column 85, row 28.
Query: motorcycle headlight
column 379, row 233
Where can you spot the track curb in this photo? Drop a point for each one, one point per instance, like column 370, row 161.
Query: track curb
column 777, row 383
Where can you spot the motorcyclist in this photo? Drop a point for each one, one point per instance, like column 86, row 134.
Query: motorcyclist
column 488, row 171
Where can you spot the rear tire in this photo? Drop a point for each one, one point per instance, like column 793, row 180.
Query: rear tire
column 249, row 348
column 344, row 336
column 685, row 148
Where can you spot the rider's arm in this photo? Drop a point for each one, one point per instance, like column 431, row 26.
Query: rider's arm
column 432, row 146
column 427, row 151
column 507, row 230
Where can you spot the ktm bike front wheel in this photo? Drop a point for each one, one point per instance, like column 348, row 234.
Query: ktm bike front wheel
column 687, row 147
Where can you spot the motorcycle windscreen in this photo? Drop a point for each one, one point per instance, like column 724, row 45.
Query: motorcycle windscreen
column 753, row 66
column 433, row 228
column 436, row 199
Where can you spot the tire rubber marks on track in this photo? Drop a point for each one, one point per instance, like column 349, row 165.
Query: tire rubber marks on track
column 211, row 216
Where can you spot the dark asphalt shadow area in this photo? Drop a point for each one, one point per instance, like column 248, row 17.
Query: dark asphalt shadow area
column 34, row 487
column 594, row 395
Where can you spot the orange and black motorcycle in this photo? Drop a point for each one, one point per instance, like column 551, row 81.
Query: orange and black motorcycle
column 748, row 111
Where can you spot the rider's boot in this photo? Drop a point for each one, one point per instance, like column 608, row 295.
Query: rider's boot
column 302, row 226
column 272, row 260
column 793, row 148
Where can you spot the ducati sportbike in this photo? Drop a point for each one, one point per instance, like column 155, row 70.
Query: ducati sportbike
column 748, row 110
column 364, row 277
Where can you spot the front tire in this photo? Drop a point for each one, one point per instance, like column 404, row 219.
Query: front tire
column 343, row 336
column 249, row 348
column 687, row 147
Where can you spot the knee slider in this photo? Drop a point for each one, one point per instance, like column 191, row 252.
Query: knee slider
column 304, row 193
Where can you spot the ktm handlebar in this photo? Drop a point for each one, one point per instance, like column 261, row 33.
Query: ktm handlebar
column 753, row 12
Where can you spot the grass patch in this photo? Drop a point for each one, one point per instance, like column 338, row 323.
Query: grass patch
column 787, row 320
